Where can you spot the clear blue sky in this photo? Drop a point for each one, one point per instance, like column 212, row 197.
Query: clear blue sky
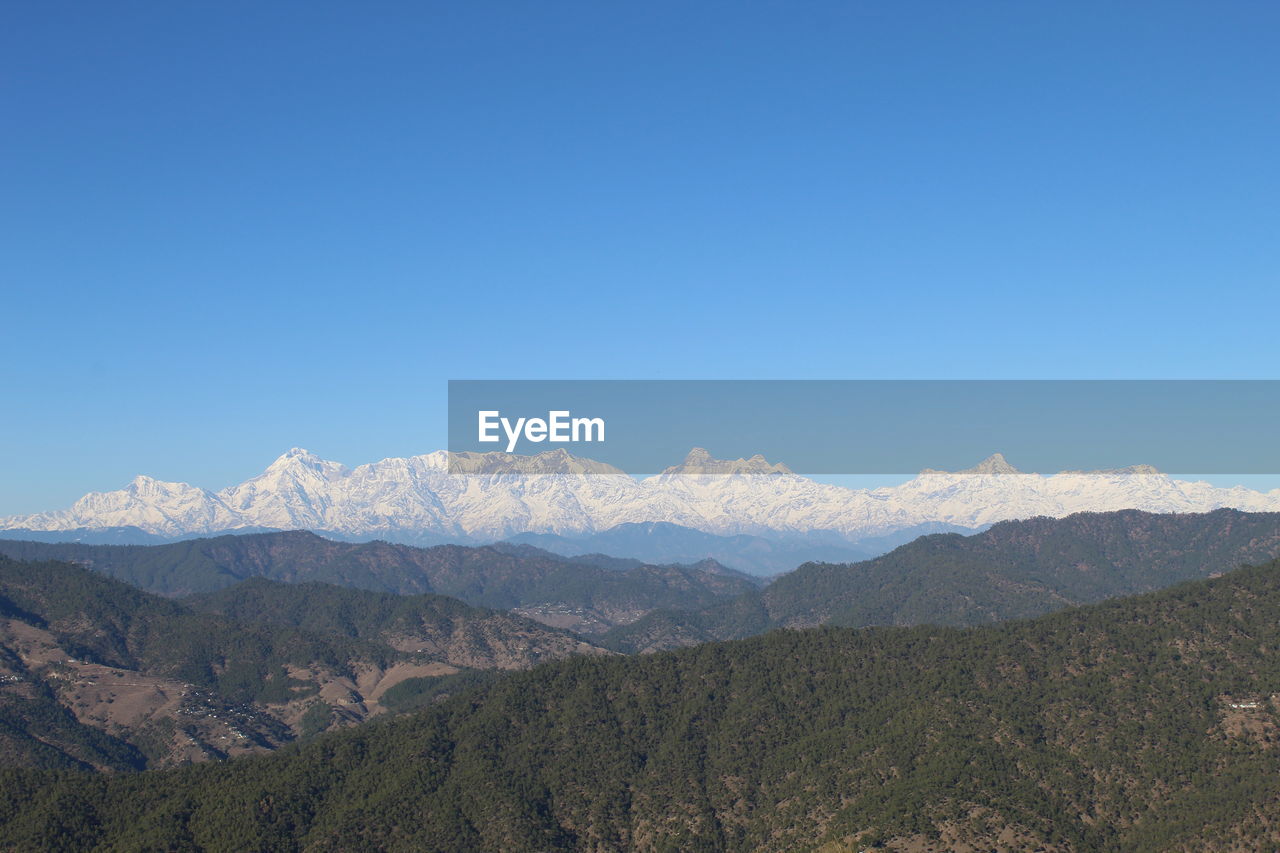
column 230, row 228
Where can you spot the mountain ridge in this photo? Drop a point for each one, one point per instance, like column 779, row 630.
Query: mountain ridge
column 1015, row 569
column 557, row 591
column 95, row 672
column 1147, row 723
column 401, row 498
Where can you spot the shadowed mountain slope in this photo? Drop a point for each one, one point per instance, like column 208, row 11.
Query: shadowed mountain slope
column 558, row 591
column 1016, row 569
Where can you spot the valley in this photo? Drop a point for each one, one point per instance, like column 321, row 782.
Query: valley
column 267, row 638
column 1142, row 723
column 97, row 674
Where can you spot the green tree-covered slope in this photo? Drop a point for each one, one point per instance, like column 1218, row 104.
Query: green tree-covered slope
column 96, row 673
column 1016, row 569
column 559, row 591
column 1140, row 724
column 436, row 625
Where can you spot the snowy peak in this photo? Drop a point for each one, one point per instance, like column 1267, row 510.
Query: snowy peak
column 286, row 460
column 152, row 505
column 700, row 462
column 996, row 464
column 500, row 495
column 993, row 464
column 1128, row 471
column 550, row 462
column 144, row 485
column 297, row 490
column 143, row 488
column 1139, row 471
column 299, row 460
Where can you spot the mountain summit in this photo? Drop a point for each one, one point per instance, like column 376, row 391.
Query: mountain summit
column 993, row 464
column 700, row 462
column 300, row 457
column 418, row 499
column 559, row 461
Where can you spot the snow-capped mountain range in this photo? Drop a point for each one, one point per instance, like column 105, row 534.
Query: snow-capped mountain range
column 555, row 492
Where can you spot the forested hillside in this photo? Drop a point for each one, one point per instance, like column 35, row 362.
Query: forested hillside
column 1016, row 569
column 443, row 628
column 557, row 591
column 1141, row 724
column 96, row 673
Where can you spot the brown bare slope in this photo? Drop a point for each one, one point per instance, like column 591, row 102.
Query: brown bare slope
column 96, row 673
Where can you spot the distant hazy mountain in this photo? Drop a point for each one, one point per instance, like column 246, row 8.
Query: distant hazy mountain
column 664, row 542
column 565, row 593
column 1016, row 569
column 417, row 500
column 125, row 535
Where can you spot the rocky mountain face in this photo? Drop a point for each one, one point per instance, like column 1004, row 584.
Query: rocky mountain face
column 419, row 499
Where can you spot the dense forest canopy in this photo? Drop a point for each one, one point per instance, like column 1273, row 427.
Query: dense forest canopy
column 1140, row 724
